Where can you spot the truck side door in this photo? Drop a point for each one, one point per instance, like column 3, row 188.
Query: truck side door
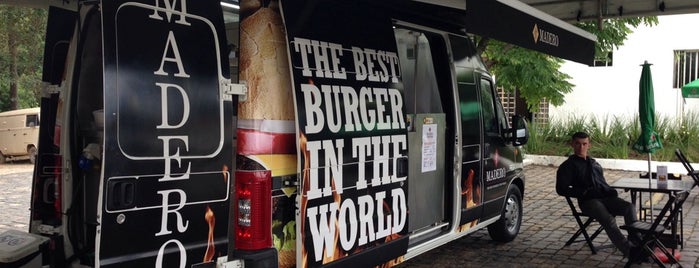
column 465, row 64
column 497, row 153
column 168, row 129
column 350, row 115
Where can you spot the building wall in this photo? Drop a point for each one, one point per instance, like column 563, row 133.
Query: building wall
column 613, row 91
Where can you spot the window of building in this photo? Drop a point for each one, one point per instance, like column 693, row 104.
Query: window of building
column 510, row 102
column 686, row 67
column 604, row 62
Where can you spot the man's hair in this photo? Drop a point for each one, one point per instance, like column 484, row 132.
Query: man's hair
column 579, row 135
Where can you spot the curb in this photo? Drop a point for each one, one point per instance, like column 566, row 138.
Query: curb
column 617, row 164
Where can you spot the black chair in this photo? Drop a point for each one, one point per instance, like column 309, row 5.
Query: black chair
column 652, row 232
column 688, row 166
column 582, row 228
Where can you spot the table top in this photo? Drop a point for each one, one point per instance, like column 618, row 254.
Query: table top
column 641, row 184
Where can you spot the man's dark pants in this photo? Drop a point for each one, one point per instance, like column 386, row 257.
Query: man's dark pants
column 604, row 211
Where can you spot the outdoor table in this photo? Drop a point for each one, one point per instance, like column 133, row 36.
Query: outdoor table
column 636, row 185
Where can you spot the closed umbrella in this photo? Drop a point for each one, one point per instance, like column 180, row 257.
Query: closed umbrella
column 649, row 141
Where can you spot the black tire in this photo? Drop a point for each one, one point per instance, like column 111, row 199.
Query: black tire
column 507, row 227
column 32, row 154
column 2, row 158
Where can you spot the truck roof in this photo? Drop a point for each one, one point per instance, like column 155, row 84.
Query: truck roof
column 21, row 111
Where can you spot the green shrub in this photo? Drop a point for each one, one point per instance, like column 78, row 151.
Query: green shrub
column 612, row 137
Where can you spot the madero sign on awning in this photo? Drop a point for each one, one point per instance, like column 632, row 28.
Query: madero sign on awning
column 514, row 22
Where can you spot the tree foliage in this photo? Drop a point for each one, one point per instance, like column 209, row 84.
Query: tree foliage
column 536, row 75
column 21, row 55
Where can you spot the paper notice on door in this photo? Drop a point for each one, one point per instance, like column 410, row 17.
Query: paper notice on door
column 429, row 147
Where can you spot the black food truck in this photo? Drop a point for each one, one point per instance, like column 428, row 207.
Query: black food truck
column 266, row 133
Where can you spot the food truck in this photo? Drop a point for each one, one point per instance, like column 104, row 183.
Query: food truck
column 318, row 133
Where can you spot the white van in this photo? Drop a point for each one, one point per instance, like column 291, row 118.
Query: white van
column 19, row 134
column 367, row 132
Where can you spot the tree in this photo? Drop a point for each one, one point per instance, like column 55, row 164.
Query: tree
column 21, row 56
column 537, row 75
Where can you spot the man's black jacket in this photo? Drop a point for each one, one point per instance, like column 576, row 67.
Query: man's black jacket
column 583, row 179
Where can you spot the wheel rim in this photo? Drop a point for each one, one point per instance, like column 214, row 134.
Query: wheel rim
column 511, row 214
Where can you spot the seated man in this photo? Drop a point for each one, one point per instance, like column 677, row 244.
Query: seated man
column 580, row 176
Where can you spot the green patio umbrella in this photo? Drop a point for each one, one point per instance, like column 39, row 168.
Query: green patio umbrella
column 649, row 141
column 691, row 90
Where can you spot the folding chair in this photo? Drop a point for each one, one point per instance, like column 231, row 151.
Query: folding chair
column 652, row 232
column 690, row 170
column 582, row 228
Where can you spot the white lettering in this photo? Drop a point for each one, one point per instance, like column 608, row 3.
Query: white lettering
column 333, row 116
column 333, row 167
column 169, row 10
column 366, row 226
column 172, row 44
column 176, row 156
column 360, row 70
column 314, row 190
column 397, row 109
column 400, row 209
column 361, row 148
column 180, row 248
column 368, row 116
column 314, row 115
column 302, row 46
column 347, row 215
column 384, row 228
column 355, row 223
column 351, row 104
column 323, row 231
column 181, row 226
column 325, row 55
column 365, row 61
column 164, row 123
column 381, row 156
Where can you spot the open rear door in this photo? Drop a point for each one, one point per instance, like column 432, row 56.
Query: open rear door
column 352, row 206
column 164, row 199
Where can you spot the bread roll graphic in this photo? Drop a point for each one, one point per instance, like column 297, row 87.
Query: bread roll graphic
column 264, row 65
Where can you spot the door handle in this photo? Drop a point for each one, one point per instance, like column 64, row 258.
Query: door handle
column 121, row 194
column 402, row 166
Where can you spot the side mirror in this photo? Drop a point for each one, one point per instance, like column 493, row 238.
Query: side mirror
column 520, row 130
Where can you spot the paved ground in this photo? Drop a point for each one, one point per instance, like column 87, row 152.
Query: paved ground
column 545, row 229
column 539, row 244
column 15, row 191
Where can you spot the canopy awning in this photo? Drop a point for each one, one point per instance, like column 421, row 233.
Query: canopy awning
column 514, row 22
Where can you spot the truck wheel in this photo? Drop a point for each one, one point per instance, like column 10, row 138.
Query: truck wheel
column 32, row 154
column 507, row 227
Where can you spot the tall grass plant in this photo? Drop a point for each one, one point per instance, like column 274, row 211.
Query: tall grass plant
column 613, row 137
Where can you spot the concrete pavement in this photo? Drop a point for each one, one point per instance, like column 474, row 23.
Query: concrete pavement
column 545, row 228
column 15, row 192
